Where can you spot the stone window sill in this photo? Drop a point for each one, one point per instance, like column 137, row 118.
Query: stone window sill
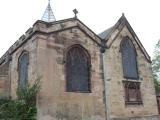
column 133, row 102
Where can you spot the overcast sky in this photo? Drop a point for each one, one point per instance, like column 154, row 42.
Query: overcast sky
column 16, row 16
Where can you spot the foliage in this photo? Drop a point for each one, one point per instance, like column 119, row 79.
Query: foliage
column 23, row 108
column 156, row 67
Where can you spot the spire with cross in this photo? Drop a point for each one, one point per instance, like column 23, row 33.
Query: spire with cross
column 48, row 15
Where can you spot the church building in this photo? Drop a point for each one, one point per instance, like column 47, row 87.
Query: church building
column 84, row 76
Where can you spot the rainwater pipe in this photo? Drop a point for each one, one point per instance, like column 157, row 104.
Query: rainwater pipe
column 105, row 80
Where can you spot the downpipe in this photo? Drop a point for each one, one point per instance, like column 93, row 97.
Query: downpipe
column 105, row 81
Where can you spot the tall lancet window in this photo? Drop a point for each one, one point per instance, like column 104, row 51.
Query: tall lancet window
column 129, row 60
column 23, row 69
column 78, row 69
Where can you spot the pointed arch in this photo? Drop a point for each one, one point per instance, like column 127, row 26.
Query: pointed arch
column 77, row 69
column 23, row 62
column 129, row 59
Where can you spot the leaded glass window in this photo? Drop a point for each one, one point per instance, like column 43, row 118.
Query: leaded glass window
column 23, row 69
column 129, row 60
column 78, row 69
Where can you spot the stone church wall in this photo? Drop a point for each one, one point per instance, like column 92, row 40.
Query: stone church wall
column 4, row 80
column 31, row 47
column 54, row 103
column 118, row 108
column 46, row 60
column 155, row 117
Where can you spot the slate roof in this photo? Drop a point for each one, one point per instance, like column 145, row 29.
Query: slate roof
column 105, row 33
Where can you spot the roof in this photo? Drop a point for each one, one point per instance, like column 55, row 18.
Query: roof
column 105, row 33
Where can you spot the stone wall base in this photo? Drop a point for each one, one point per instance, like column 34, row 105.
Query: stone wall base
column 155, row 117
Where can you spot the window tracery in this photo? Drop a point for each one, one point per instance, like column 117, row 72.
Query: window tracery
column 78, row 69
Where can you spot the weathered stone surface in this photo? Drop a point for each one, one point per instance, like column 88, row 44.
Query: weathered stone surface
column 155, row 117
column 116, row 89
column 55, row 102
column 4, row 80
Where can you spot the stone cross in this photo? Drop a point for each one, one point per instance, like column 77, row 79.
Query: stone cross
column 75, row 12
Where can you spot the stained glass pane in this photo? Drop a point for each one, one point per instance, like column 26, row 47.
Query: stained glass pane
column 129, row 60
column 77, row 67
column 23, row 69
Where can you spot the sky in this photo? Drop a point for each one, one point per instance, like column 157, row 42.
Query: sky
column 16, row 16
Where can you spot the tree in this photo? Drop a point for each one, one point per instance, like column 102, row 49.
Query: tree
column 156, row 67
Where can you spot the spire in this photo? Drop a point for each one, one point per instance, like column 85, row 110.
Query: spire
column 48, row 15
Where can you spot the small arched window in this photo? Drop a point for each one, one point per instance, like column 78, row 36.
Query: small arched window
column 78, row 69
column 129, row 60
column 23, row 69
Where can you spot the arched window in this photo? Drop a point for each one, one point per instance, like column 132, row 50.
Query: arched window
column 23, row 69
column 78, row 69
column 129, row 60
